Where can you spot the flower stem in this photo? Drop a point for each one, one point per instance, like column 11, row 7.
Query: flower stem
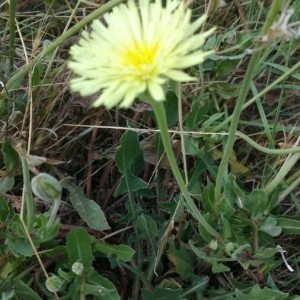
column 53, row 213
column 275, row 8
column 160, row 116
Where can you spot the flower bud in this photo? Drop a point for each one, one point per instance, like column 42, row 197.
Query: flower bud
column 46, row 187
column 54, row 284
column 77, row 268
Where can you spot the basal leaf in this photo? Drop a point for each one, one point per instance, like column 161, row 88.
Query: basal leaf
column 79, row 248
column 147, row 228
column 88, row 209
column 6, row 184
column 10, row 157
column 161, row 294
column 129, row 156
column 120, row 252
column 261, row 293
column 23, row 291
column 182, row 258
column 100, row 287
column 129, row 183
column 289, row 225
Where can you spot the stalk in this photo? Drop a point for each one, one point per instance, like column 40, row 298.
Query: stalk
column 161, row 119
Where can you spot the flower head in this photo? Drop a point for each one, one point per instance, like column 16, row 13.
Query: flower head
column 139, row 49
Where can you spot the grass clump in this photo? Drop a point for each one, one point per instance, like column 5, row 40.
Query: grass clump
column 111, row 216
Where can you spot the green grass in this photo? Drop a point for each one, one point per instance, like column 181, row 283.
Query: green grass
column 235, row 138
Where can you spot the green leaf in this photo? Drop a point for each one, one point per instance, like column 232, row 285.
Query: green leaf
column 129, row 182
column 257, row 203
column 37, row 74
column 171, row 107
column 79, row 248
column 147, row 228
column 129, row 159
column 283, row 69
column 212, row 119
column 226, row 228
column 161, row 294
column 199, row 109
column 10, row 157
column 23, row 291
column 6, row 184
column 269, row 226
column 289, row 225
column 19, row 246
column 4, row 210
column 183, row 260
column 99, row 286
column 208, row 199
column 259, row 293
column 120, row 252
column 234, row 194
column 88, row 209
column 219, row 268
column 129, row 156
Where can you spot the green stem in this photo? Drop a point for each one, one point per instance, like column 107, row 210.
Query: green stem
column 53, row 213
column 160, row 116
column 275, row 8
column 267, row 150
column 68, row 34
column 286, row 167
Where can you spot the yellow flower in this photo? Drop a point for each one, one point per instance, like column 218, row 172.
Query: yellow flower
column 139, row 49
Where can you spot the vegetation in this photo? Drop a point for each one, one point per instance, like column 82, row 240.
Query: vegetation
column 89, row 205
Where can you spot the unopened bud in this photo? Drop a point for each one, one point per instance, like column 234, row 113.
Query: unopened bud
column 54, row 284
column 46, row 187
column 77, row 268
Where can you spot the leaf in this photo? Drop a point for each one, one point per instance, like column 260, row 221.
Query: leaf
column 120, row 252
column 6, row 184
column 129, row 156
column 289, row 225
column 283, row 69
column 171, row 107
column 147, row 228
column 208, row 199
column 10, row 157
column 200, row 108
column 219, row 268
column 236, row 166
column 23, row 291
column 129, row 160
column 226, row 228
column 19, row 246
column 88, row 209
column 129, row 182
column 183, row 260
column 259, row 293
column 257, row 203
column 100, row 287
column 4, row 210
column 161, row 294
column 269, row 226
column 79, row 248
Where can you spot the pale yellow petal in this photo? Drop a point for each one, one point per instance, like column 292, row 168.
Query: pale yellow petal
column 136, row 50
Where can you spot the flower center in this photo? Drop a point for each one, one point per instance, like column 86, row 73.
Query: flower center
column 141, row 58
